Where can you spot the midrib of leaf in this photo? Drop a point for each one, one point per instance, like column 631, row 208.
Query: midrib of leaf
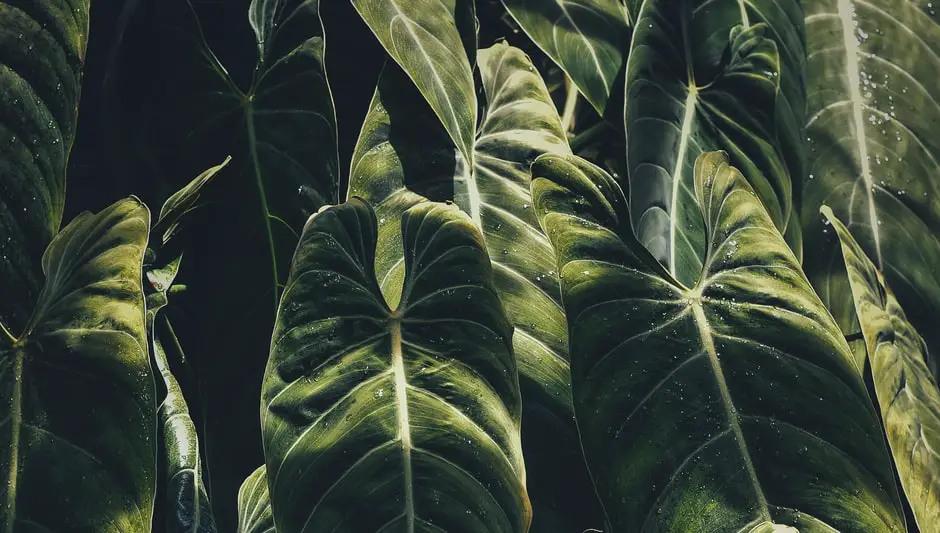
column 259, row 182
column 16, row 422
column 855, row 94
column 687, row 120
column 593, row 52
column 708, row 343
column 404, row 425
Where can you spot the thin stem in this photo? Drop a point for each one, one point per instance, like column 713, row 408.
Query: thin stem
column 582, row 139
column 571, row 102
column 6, row 333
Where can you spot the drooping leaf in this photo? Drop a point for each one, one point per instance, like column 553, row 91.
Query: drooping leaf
column 587, row 38
column 434, row 42
column 404, row 419
column 254, row 504
column 906, row 390
column 77, row 439
column 707, row 75
column 873, row 152
column 42, row 48
column 404, row 157
column 188, row 509
column 182, row 202
column 719, row 406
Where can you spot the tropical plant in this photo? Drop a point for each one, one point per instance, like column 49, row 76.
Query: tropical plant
column 482, row 266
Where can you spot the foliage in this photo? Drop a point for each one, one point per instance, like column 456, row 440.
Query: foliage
column 482, row 266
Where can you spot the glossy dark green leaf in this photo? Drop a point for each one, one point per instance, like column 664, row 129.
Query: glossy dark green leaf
column 434, row 42
column 404, row 157
column 707, row 75
column 42, row 48
column 872, row 121
column 77, row 439
column 398, row 419
column 906, row 390
column 729, row 405
column 188, row 509
column 254, row 504
column 587, row 38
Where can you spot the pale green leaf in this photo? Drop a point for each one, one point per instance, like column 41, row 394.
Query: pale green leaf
column 254, row 504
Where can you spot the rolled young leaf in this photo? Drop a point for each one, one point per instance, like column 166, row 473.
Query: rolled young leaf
column 434, row 42
column 42, row 49
column 403, row 157
column 254, row 504
column 587, row 38
column 77, row 440
column 732, row 404
column 906, row 390
column 404, row 419
column 873, row 152
column 706, row 75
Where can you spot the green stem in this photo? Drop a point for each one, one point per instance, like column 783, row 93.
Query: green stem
column 6, row 333
column 571, row 103
column 582, row 139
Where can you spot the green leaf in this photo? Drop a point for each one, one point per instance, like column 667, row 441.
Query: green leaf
column 873, row 155
column 403, row 419
column 77, row 442
column 434, row 41
column 707, row 78
column 42, row 48
column 404, row 157
column 254, row 504
column 182, row 202
column 718, row 406
column 187, row 499
column 587, row 38
column 907, row 392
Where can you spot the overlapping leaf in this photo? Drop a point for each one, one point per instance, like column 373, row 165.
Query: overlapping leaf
column 42, row 48
column 77, row 439
column 872, row 116
column 434, row 42
column 708, row 75
column 404, row 419
column 907, row 392
column 404, row 157
column 587, row 38
column 254, row 504
column 732, row 404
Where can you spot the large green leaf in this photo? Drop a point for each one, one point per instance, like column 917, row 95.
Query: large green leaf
column 77, row 439
column 873, row 156
column 393, row 419
column 42, row 48
column 404, row 157
column 706, row 75
column 906, row 390
column 587, row 38
column 254, row 504
column 727, row 405
column 434, row 41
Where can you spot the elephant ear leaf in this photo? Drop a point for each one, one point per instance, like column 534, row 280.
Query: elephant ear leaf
column 254, row 504
column 906, row 390
column 688, row 94
column 77, row 442
column 731, row 405
column 587, row 38
column 404, row 419
column 42, row 50
column 434, row 41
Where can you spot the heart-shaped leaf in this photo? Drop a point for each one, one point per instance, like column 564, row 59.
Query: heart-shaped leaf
column 873, row 158
column 404, row 157
column 706, row 75
column 406, row 419
column 587, row 38
column 42, row 48
column 77, row 440
column 906, row 390
column 719, row 406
